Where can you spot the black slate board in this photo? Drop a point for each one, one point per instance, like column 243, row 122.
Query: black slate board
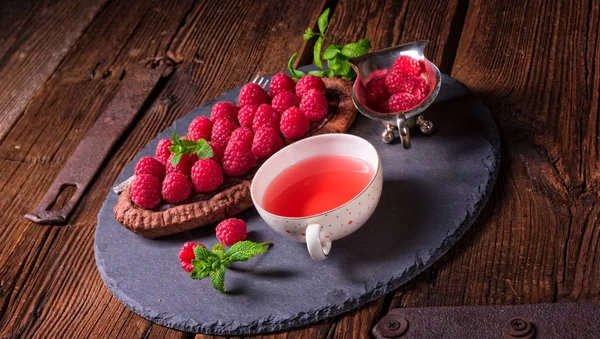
column 432, row 194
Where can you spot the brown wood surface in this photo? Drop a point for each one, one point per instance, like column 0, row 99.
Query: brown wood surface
column 535, row 64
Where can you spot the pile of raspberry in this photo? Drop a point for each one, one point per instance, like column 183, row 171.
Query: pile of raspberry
column 399, row 89
column 239, row 136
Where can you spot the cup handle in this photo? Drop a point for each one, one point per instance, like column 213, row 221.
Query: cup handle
column 403, row 130
column 318, row 248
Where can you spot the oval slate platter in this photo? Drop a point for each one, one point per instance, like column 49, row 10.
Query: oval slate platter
column 432, row 194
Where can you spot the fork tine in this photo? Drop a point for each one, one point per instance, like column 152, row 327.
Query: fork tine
column 256, row 78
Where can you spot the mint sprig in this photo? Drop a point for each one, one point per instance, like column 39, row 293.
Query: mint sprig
column 213, row 263
column 337, row 56
column 180, row 147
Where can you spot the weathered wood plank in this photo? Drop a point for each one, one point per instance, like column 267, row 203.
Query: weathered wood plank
column 537, row 240
column 32, row 47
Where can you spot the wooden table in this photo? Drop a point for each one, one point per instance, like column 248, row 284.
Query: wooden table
column 536, row 64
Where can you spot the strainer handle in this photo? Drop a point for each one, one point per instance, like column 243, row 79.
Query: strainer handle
column 403, row 130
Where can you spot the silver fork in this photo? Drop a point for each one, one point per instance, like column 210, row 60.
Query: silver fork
column 261, row 81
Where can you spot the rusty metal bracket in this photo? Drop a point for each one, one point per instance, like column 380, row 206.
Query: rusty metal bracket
column 87, row 159
column 560, row 320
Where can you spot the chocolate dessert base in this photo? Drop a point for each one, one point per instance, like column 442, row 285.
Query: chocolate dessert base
column 201, row 210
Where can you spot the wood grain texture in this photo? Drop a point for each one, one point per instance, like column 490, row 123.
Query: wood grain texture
column 537, row 240
column 33, row 45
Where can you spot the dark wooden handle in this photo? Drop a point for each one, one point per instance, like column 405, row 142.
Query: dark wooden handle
column 83, row 165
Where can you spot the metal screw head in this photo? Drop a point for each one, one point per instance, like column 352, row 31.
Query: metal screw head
column 520, row 328
column 392, row 326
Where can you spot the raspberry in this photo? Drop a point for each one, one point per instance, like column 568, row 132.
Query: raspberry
column 294, row 124
column 266, row 142
column 176, row 188
column 408, row 65
column 281, row 83
column 420, row 90
column 238, row 159
column 308, row 82
column 314, row 105
column 377, row 91
column 207, row 176
column 243, row 135
column 285, row 100
column 186, row 255
column 231, row 231
column 253, row 94
column 222, row 130
column 246, row 115
column 265, row 116
column 200, row 128
column 399, row 82
column 401, row 102
column 218, row 151
column 162, row 150
column 149, row 165
column 225, row 110
column 145, row 191
column 184, row 166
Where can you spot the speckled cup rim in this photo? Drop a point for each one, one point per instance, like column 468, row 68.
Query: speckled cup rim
column 299, row 144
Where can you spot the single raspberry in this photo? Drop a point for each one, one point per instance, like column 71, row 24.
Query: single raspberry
column 231, row 231
column 314, row 105
column 285, row 100
column 218, row 151
column 401, row 102
column 281, row 82
column 309, row 82
column 265, row 115
column 266, row 142
column 243, row 135
column 184, row 166
column 238, row 159
column 294, row 124
column 377, row 91
column 225, row 110
column 207, row 176
column 145, row 191
column 246, row 115
column 421, row 89
column 253, row 94
column 222, row 130
column 408, row 65
column 150, row 165
column 200, row 128
column 162, row 150
column 399, row 82
column 186, row 255
column 176, row 188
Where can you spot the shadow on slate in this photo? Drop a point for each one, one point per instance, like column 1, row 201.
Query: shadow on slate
column 432, row 194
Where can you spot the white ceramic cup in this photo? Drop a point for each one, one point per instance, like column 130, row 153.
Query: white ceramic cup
column 318, row 231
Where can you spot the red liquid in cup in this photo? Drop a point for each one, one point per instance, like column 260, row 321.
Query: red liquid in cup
column 316, row 185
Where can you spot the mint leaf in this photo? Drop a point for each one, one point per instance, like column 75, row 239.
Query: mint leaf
column 219, row 249
column 176, row 158
column 203, row 149
column 365, row 43
column 290, row 67
column 317, row 52
column 308, row 34
column 331, row 51
column 244, row 250
column 349, row 75
column 318, row 73
column 201, row 269
column 330, row 73
column 354, row 50
column 201, row 253
column 323, row 21
column 217, row 279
